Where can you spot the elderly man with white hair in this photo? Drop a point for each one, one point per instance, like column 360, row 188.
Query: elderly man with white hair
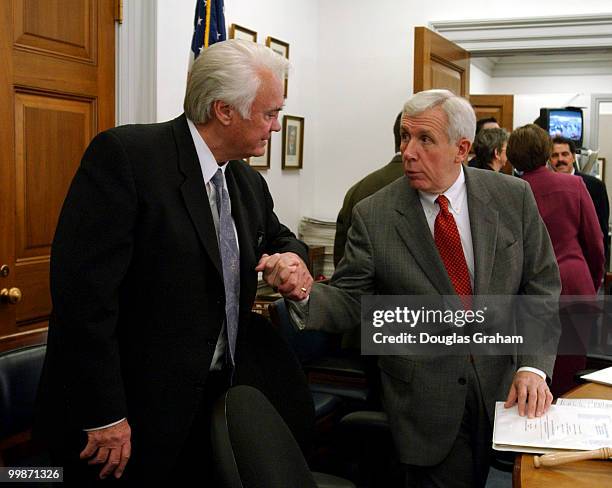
column 153, row 274
column 442, row 230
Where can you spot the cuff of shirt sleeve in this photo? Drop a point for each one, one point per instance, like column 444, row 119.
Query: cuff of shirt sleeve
column 298, row 312
column 105, row 426
column 533, row 370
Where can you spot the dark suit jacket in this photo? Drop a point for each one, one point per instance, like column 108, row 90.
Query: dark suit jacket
column 390, row 251
column 363, row 188
column 569, row 215
column 137, row 289
column 599, row 195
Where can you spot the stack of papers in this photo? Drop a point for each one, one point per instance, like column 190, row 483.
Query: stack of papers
column 320, row 232
column 571, row 424
column 603, row 376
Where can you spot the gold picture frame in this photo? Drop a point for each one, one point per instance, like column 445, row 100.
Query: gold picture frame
column 281, row 48
column 293, row 142
column 240, row 32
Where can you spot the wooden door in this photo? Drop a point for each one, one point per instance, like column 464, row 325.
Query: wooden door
column 499, row 106
column 440, row 63
column 57, row 90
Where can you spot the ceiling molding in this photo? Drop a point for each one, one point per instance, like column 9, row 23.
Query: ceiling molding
column 587, row 64
column 529, row 35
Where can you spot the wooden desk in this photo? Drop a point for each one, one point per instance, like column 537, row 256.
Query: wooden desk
column 584, row 474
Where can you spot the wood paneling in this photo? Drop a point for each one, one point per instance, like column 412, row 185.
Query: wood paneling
column 57, row 90
column 60, row 27
column 50, row 137
column 439, row 63
column 499, row 106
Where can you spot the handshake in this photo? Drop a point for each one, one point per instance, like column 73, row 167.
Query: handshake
column 287, row 274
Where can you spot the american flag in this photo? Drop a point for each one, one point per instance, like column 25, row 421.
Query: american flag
column 208, row 25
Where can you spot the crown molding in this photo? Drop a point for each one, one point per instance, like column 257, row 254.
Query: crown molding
column 529, row 35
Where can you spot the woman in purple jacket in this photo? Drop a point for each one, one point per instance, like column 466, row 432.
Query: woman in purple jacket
column 571, row 220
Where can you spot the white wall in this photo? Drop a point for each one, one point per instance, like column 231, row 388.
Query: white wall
column 480, row 82
column 292, row 21
column 353, row 70
column 605, row 146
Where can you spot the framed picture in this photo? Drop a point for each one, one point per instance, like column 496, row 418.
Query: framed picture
column 293, row 142
column 599, row 169
column 282, row 48
column 261, row 162
column 239, row 32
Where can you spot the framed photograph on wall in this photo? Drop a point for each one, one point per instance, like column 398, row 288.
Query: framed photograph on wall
column 282, row 48
column 293, row 142
column 599, row 169
column 261, row 162
column 239, row 32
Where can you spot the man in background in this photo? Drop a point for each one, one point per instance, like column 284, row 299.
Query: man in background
column 562, row 160
column 153, row 275
column 365, row 187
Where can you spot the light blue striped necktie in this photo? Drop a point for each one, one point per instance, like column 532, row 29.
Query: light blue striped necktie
column 230, row 261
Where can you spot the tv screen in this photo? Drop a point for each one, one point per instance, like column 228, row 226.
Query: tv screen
column 566, row 123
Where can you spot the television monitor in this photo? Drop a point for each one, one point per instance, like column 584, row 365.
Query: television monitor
column 566, row 122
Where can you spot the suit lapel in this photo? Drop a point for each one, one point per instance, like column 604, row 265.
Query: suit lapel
column 483, row 223
column 412, row 227
column 194, row 191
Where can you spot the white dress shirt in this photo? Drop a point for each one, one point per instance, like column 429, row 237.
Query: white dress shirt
column 209, row 167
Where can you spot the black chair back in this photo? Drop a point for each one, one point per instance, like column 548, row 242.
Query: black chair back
column 252, row 445
column 19, row 375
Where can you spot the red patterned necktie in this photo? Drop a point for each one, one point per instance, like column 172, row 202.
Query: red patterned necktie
column 448, row 243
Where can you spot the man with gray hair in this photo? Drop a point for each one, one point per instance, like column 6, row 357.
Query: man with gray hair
column 442, row 230
column 153, row 275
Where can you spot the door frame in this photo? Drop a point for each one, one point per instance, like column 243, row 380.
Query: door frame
column 136, row 83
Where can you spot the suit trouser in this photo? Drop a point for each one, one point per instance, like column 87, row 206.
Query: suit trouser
column 467, row 463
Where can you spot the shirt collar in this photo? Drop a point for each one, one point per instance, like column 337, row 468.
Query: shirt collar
column 207, row 161
column 454, row 194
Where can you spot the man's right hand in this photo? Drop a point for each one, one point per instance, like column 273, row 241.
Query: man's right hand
column 110, row 446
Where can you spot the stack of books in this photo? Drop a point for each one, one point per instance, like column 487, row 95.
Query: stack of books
column 320, row 232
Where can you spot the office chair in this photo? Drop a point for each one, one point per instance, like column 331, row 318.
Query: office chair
column 254, row 448
column 19, row 375
column 330, row 369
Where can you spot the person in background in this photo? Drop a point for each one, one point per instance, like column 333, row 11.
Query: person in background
column 365, row 187
column 569, row 215
column 562, row 160
column 153, row 275
column 490, row 149
column 481, row 124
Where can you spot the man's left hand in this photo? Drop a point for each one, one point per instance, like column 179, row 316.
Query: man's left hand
column 286, row 273
column 531, row 393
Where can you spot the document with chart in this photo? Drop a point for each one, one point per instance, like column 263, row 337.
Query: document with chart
column 562, row 427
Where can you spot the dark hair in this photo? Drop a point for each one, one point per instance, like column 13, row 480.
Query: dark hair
column 529, row 147
column 481, row 122
column 487, row 141
column 564, row 140
column 396, row 131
